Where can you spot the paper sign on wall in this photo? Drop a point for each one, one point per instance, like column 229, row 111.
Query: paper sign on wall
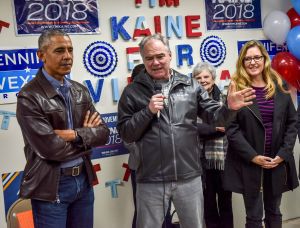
column 76, row 16
column 17, row 67
column 222, row 14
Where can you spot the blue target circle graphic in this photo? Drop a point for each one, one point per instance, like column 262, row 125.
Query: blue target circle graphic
column 213, row 50
column 100, row 59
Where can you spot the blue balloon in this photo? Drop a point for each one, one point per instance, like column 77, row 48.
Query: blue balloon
column 293, row 41
column 296, row 5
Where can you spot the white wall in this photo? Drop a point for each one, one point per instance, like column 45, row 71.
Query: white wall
column 116, row 213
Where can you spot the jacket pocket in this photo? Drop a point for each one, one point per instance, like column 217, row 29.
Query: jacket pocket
column 33, row 169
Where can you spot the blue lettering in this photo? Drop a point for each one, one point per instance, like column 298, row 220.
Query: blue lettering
column 13, row 81
column 19, row 59
column 95, row 94
column 184, row 52
column 117, row 28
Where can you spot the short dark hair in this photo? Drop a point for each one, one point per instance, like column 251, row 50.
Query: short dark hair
column 136, row 70
column 46, row 35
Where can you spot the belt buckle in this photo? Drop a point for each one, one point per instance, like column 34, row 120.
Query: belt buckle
column 75, row 171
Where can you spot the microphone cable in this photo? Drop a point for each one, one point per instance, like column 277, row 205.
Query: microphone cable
column 162, row 172
column 158, row 89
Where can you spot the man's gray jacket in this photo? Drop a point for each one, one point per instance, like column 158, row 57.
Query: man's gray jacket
column 168, row 147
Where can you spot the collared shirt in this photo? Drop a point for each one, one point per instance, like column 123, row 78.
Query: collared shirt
column 64, row 91
column 166, row 86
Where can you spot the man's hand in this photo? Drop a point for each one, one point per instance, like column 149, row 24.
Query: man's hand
column 221, row 129
column 67, row 135
column 237, row 100
column 93, row 120
column 156, row 103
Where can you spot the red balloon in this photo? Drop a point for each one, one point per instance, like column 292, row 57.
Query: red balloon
column 288, row 67
column 294, row 17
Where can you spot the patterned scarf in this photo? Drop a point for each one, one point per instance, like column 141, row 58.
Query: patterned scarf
column 215, row 153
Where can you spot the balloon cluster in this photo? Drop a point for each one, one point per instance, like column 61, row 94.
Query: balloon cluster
column 282, row 27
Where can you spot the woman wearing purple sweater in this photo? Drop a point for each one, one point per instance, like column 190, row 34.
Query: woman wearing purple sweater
column 260, row 162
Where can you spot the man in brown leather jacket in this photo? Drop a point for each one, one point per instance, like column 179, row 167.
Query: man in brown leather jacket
column 59, row 125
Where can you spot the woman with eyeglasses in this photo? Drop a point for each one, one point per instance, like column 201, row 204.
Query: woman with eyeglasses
column 260, row 163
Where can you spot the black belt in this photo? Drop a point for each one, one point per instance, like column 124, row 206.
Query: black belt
column 72, row 171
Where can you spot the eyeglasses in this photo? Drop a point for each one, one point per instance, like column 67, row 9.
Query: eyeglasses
column 256, row 59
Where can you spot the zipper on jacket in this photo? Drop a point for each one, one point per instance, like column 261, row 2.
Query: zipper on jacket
column 57, row 200
column 173, row 85
column 285, row 174
column 172, row 131
column 262, row 169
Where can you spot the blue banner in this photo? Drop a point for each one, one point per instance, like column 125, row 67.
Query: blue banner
column 222, row 14
column 76, row 16
column 271, row 47
column 114, row 146
column 17, row 67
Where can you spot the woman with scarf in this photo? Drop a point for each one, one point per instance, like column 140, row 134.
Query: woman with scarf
column 217, row 201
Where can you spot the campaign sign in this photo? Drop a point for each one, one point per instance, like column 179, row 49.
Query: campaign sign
column 17, row 67
column 227, row 14
column 114, row 146
column 271, row 47
column 76, row 16
column 11, row 185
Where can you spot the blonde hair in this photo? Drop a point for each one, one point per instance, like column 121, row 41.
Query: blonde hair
column 270, row 76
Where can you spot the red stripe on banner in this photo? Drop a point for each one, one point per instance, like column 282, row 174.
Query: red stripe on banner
column 132, row 50
column 127, row 172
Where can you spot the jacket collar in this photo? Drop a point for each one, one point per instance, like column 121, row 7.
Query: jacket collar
column 45, row 84
column 216, row 93
column 48, row 87
column 255, row 110
column 277, row 101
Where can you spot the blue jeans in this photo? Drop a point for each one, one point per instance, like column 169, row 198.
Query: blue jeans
column 74, row 207
column 186, row 196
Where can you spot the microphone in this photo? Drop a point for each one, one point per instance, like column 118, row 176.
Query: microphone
column 157, row 90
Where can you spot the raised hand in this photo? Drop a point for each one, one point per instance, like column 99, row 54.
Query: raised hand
column 239, row 99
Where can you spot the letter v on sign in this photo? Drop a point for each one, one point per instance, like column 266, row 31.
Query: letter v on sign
column 95, row 94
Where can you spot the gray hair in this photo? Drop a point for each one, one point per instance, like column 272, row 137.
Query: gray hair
column 156, row 36
column 44, row 39
column 201, row 66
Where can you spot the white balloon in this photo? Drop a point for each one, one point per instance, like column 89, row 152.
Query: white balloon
column 276, row 26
